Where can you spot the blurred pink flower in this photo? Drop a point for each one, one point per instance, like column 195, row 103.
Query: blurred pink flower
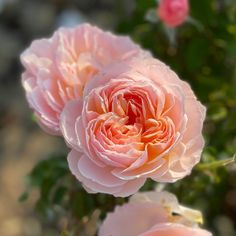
column 152, row 214
column 137, row 120
column 172, row 229
column 58, row 68
column 173, row 12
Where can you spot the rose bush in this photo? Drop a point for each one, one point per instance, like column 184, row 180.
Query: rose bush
column 136, row 120
column 152, row 214
column 57, row 69
column 173, row 12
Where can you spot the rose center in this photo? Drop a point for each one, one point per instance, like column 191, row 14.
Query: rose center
column 133, row 110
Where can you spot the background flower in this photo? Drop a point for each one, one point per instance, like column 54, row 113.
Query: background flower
column 173, row 12
column 152, row 213
column 58, row 68
column 136, row 121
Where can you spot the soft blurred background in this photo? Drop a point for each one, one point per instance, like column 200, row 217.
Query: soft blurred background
column 203, row 52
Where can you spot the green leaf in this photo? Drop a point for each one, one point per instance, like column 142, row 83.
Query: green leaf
column 59, row 194
column 217, row 111
column 23, row 197
column 196, row 53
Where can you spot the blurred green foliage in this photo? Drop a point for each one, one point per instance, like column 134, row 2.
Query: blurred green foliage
column 204, row 54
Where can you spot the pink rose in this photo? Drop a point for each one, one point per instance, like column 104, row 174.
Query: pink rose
column 152, row 214
column 58, row 68
column 173, row 12
column 136, row 121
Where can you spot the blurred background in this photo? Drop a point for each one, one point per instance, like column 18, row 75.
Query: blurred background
column 202, row 51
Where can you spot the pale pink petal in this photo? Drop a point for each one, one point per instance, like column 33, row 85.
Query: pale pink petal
column 196, row 114
column 130, row 187
column 97, row 174
column 68, row 119
column 132, row 219
column 171, row 229
column 89, row 185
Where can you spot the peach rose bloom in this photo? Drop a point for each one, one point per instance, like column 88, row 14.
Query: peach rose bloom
column 152, row 214
column 137, row 121
column 58, row 68
column 173, row 12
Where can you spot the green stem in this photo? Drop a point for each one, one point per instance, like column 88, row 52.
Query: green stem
column 216, row 164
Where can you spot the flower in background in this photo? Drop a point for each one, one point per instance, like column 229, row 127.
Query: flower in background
column 57, row 69
column 137, row 120
column 153, row 214
column 173, row 12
